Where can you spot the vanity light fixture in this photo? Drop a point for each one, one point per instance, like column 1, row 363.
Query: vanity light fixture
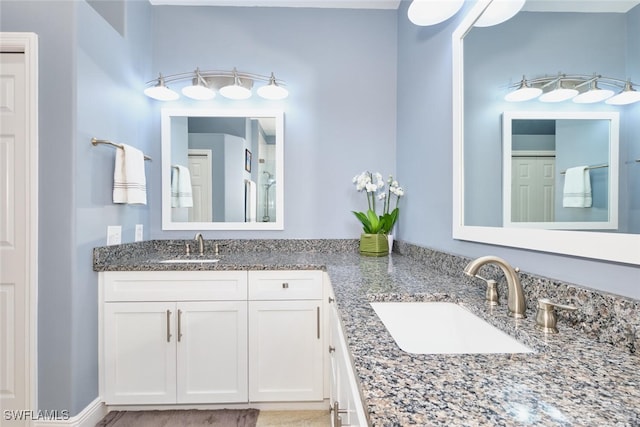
column 523, row 93
column 582, row 89
column 594, row 94
column 230, row 84
column 199, row 89
column 273, row 90
column 628, row 96
column 559, row 93
column 237, row 89
column 431, row 12
column 160, row 91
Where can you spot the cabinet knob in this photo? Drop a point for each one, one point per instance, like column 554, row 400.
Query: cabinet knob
column 331, row 300
column 285, row 285
column 332, row 349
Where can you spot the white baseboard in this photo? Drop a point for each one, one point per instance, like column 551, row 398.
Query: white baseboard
column 88, row 417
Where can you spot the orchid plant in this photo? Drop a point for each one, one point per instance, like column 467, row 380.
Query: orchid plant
column 374, row 187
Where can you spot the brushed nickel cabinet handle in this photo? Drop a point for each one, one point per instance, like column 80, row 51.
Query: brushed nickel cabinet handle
column 168, row 325
column 318, row 322
column 179, row 325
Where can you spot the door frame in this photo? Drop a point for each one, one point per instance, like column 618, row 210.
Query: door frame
column 27, row 43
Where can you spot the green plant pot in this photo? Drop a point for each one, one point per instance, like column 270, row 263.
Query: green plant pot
column 374, row 244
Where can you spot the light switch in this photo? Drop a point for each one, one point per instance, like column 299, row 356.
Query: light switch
column 139, row 233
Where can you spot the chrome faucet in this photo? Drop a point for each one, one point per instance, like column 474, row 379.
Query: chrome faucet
column 515, row 297
column 200, row 240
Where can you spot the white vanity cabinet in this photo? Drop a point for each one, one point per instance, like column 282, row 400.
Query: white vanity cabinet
column 346, row 405
column 173, row 337
column 286, row 336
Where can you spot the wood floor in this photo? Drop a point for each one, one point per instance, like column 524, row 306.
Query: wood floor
column 294, row 418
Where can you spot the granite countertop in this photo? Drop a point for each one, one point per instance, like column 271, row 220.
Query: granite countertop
column 570, row 380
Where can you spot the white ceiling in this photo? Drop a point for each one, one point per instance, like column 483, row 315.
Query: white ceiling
column 335, row 4
column 620, row 6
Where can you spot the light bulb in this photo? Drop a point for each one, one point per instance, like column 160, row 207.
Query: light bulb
column 431, row 12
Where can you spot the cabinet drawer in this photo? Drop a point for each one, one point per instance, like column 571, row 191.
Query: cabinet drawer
column 174, row 285
column 285, row 285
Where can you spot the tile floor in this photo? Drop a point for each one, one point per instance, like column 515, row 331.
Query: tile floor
column 294, row 418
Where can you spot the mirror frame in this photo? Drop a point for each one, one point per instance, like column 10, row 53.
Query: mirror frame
column 167, row 220
column 612, row 189
column 617, row 247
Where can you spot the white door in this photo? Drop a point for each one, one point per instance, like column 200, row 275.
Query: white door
column 200, row 169
column 286, row 359
column 533, row 189
column 140, row 352
column 212, row 352
column 18, row 232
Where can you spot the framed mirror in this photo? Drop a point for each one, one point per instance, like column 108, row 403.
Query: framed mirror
column 482, row 75
column 540, row 189
column 222, row 169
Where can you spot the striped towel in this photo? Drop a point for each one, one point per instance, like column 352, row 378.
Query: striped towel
column 181, row 192
column 129, row 181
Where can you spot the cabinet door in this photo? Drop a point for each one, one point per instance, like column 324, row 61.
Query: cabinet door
column 212, row 352
column 286, row 351
column 139, row 353
column 344, row 388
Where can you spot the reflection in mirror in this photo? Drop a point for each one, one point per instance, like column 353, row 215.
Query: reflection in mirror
column 541, row 190
column 222, row 169
column 487, row 61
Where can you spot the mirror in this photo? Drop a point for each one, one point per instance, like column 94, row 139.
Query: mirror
column 486, row 61
column 538, row 150
column 222, row 169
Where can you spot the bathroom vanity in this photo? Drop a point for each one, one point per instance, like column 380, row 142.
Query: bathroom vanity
column 351, row 363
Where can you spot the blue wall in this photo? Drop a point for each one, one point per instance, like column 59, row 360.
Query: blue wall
column 340, row 117
column 89, row 85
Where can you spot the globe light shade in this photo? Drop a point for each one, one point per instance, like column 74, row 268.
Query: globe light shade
column 273, row 92
column 431, row 12
column 198, row 92
column 558, row 95
column 523, row 93
column 593, row 96
column 161, row 93
column 235, row 91
column 499, row 11
column 628, row 96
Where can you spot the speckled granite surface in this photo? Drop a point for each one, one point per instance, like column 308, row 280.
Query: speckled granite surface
column 584, row 376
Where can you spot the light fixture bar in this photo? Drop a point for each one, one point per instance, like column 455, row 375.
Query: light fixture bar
column 232, row 84
column 582, row 89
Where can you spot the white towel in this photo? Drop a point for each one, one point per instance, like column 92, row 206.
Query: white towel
column 251, row 201
column 129, row 181
column 181, row 192
column 577, row 188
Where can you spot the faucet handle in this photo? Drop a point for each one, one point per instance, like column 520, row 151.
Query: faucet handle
column 546, row 318
column 492, row 292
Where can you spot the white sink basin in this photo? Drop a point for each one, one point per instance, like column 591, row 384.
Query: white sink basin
column 443, row 328
column 187, row 261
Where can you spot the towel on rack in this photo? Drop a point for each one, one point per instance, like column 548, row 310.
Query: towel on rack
column 251, row 201
column 181, row 192
column 577, row 188
column 129, row 181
